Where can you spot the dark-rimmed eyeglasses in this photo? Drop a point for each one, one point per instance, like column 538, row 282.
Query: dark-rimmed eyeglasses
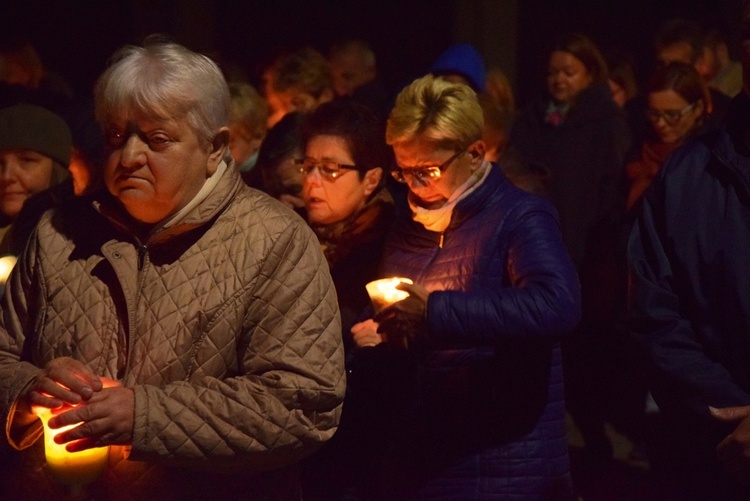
column 328, row 169
column 424, row 174
column 671, row 117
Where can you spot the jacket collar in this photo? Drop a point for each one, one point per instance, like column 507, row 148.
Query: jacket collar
column 480, row 198
column 209, row 207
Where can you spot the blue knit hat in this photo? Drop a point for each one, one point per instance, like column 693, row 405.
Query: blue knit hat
column 464, row 60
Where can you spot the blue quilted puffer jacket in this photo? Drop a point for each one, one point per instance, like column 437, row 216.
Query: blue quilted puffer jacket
column 486, row 413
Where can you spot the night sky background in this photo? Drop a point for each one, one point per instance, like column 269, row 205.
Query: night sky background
column 75, row 38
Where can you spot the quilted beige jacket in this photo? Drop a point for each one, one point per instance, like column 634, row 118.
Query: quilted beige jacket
column 226, row 326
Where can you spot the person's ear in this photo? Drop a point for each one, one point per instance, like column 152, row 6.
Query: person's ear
column 218, row 147
column 372, row 180
column 477, row 151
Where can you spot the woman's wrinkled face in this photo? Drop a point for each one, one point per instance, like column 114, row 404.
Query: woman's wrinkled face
column 671, row 117
column 155, row 166
column 22, row 174
column 566, row 76
column 327, row 200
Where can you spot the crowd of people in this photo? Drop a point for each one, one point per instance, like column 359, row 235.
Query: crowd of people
column 192, row 251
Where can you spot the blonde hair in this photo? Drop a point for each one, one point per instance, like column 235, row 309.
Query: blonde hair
column 437, row 110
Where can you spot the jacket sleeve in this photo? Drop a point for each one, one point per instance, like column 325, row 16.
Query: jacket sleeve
column 684, row 376
column 15, row 373
column 287, row 399
column 542, row 300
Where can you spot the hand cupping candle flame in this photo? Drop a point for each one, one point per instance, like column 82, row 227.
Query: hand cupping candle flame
column 384, row 293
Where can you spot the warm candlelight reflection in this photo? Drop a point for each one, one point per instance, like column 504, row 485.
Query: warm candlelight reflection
column 384, row 293
column 6, row 266
column 71, row 468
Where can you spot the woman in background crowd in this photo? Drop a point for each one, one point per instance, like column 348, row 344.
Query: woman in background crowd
column 35, row 150
column 344, row 163
column 578, row 132
column 282, row 178
column 248, row 116
column 679, row 107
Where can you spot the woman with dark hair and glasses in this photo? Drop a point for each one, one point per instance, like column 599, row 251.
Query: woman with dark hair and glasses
column 679, row 107
column 343, row 169
column 343, row 177
column 494, row 292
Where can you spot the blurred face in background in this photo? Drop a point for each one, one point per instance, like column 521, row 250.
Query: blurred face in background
column 242, row 145
column 566, row 76
column 22, row 174
column 619, row 95
column 349, row 72
column 671, row 117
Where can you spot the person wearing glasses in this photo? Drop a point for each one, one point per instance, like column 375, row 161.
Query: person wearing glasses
column 343, row 186
column 343, row 169
column 679, row 107
column 690, row 305
column 494, row 292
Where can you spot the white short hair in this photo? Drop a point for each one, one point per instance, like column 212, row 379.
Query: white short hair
column 165, row 80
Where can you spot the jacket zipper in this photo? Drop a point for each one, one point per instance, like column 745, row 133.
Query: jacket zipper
column 442, row 239
column 142, row 260
column 142, row 251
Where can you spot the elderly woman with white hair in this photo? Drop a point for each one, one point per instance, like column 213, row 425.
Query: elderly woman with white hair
column 183, row 319
column 494, row 292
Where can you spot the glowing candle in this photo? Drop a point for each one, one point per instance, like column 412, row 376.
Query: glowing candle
column 71, row 468
column 6, row 266
column 384, row 293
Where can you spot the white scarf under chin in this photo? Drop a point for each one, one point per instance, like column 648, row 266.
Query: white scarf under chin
column 439, row 219
column 208, row 185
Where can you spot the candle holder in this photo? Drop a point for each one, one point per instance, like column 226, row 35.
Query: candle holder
column 384, row 293
column 74, row 469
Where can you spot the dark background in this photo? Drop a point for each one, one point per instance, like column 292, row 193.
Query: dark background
column 75, row 38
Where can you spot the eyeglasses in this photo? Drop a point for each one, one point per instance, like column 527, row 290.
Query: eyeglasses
column 328, row 169
column 424, row 174
column 671, row 117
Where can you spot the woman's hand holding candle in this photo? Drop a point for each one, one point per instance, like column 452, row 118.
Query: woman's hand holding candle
column 63, row 381
column 366, row 334
column 106, row 419
column 403, row 321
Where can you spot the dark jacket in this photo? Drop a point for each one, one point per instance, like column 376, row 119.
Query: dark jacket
column 690, row 310
column 486, row 415
column 585, row 156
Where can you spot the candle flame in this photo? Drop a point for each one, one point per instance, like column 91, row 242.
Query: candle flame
column 384, row 293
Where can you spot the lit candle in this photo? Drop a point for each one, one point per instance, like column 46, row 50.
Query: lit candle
column 6, row 266
column 70, row 468
column 384, row 293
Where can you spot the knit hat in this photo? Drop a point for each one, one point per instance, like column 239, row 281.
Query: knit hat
column 31, row 127
column 462, row 59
